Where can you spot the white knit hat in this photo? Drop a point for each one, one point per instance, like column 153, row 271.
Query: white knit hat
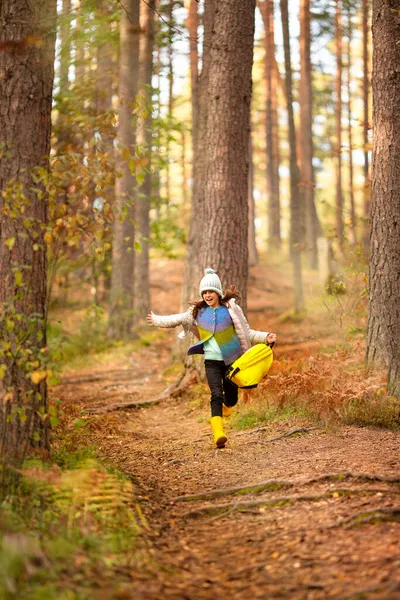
column 211, row 281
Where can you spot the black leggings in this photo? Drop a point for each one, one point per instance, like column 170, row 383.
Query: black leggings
column 222, row 390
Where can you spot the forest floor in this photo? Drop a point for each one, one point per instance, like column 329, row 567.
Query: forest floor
column 323, row 522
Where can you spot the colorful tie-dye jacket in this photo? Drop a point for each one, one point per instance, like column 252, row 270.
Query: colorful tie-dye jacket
column 247, row 337
column 217, row 322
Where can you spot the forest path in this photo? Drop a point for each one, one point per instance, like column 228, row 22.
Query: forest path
column 285, row 540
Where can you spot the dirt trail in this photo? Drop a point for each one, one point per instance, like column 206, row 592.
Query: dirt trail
column 288, row 540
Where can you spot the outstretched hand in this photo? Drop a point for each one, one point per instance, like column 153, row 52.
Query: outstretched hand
column 149, row 320
column 271, row 338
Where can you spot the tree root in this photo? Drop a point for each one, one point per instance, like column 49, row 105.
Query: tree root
column 368, row 516
column 184, row 381
column 281, row 437
column 121, row 406
column 220, row 509
column 273, row 485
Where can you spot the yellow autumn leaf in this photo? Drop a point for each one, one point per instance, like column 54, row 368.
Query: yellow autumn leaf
column 18, row 278
column 47, row 237
column 38, row 376
column 10, row 243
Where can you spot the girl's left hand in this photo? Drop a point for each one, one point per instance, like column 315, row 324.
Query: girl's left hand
column 271, row 338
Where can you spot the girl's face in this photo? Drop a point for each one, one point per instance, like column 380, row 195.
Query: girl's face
column 211, row 298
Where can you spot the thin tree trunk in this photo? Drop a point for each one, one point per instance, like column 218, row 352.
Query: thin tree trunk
column 353, row 234
column 122, row 278
column 106, row 68
column 170, row 104
column 80, row 42
column 144, row 141
column 306, row 134
column 272, row 142
column 253, row 253
column 224, row 240
column 25, row 128
column 384, row 281
column 156, row 179
column 339, row 69
column 367, row 187
column 192, row 25
column 295, row 216
column 184, row 162
column 104, row 80
column 64, row 64
column 276, row 159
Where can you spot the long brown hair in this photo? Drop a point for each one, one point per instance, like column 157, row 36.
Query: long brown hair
column 229, row 293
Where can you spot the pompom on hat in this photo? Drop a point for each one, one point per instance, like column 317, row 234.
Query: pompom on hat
column 211, row 281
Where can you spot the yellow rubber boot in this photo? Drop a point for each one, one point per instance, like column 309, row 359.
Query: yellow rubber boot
column 218, row 431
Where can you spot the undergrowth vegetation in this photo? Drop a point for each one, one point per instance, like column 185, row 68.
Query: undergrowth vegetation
column 62, row 528
column 70, row 526
column 330, row 387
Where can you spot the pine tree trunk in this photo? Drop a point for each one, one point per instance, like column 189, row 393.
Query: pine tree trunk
column 170, row 103
column 106, row 67
column 295, row 210
column 193, row 270
column 367, row 186
column 353, row 234
column 339, row 69
column 253, row 253
column 306, row 134
column 384, row 281
column 156, row 179
column 144, row 141
column 272, row 142
column 80, row 42
column 192, row 25
column 224, row 240
column 122, row 278
column 64, row 64
column 25, row 128
column 105, row 70
column 184, row 162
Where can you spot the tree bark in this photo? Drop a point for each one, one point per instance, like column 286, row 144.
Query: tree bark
column 193, row 270
column 252, row 245
column 144, row 141
column 122, row 278
column 170, row 16
column 64, row 64
column 367, row 186
column 306, row 135
column 271, row 121
column 295, row 211
column 26, row 83
column 384, row 281
column 192, row 25
column 353, row 234
column 339, row 69
column 79, row 35
column 224, row 240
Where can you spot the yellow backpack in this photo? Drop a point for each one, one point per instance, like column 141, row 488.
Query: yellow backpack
column 248, row 370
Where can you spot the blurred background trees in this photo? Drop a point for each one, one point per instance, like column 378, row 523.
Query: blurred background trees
column 165, row 159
